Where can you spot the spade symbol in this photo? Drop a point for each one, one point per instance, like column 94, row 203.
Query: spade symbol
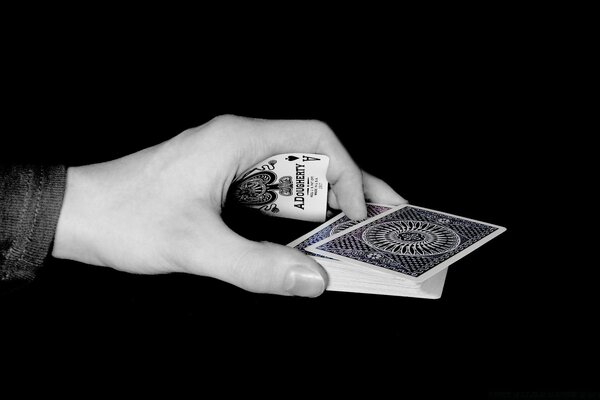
column 291, row 158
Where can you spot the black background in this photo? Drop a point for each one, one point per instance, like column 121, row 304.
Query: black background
column 462, row 121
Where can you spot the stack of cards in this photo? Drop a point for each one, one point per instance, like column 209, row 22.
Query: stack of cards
column 401, row 251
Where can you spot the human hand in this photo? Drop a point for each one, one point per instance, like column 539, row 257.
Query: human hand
column 158, row 210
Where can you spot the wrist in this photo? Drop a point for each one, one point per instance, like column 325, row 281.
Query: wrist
column 72, row 238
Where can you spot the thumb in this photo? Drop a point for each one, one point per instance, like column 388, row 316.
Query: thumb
column 260, row 267
column 272, row 268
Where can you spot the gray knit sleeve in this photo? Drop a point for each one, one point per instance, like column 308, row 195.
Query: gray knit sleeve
column 31, row 197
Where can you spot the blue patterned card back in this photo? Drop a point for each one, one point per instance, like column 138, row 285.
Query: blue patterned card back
column 410, row 240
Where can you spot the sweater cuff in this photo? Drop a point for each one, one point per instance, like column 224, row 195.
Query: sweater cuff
column 34, row 196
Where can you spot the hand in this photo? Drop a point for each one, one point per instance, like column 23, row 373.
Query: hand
column 158, row 210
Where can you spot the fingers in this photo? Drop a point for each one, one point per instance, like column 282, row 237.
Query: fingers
column 332, row 200
column 348, row 190
column 343, row 175
column 349, row 185
column 377, row 191
column 257, row 267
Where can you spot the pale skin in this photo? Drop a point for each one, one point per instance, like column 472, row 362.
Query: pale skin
column 159, row 210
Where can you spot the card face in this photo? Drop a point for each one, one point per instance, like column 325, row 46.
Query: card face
column 335, row 225
column 412, row 241
column 291, row 185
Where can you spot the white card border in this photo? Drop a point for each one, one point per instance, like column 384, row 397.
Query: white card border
column 313, row 248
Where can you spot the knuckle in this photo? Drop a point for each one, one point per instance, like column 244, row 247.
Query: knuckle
column 218, row 123
column 225, row 119
column 243, row 266
column 356, row 173
column 226, row 127
column 319, row 132
column 353, row 173
column 233, row 123
column 320, row 127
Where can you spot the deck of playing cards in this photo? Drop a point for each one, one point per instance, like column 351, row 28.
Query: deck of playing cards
column 402, row 251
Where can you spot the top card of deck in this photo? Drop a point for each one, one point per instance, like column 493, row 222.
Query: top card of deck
column 335, row 225
column 412, row 241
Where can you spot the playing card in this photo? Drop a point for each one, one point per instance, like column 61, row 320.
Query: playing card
column 335, row 225
column 291, row 185
column 413, row 242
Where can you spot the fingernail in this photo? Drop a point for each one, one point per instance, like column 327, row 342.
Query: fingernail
column 301, row 281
